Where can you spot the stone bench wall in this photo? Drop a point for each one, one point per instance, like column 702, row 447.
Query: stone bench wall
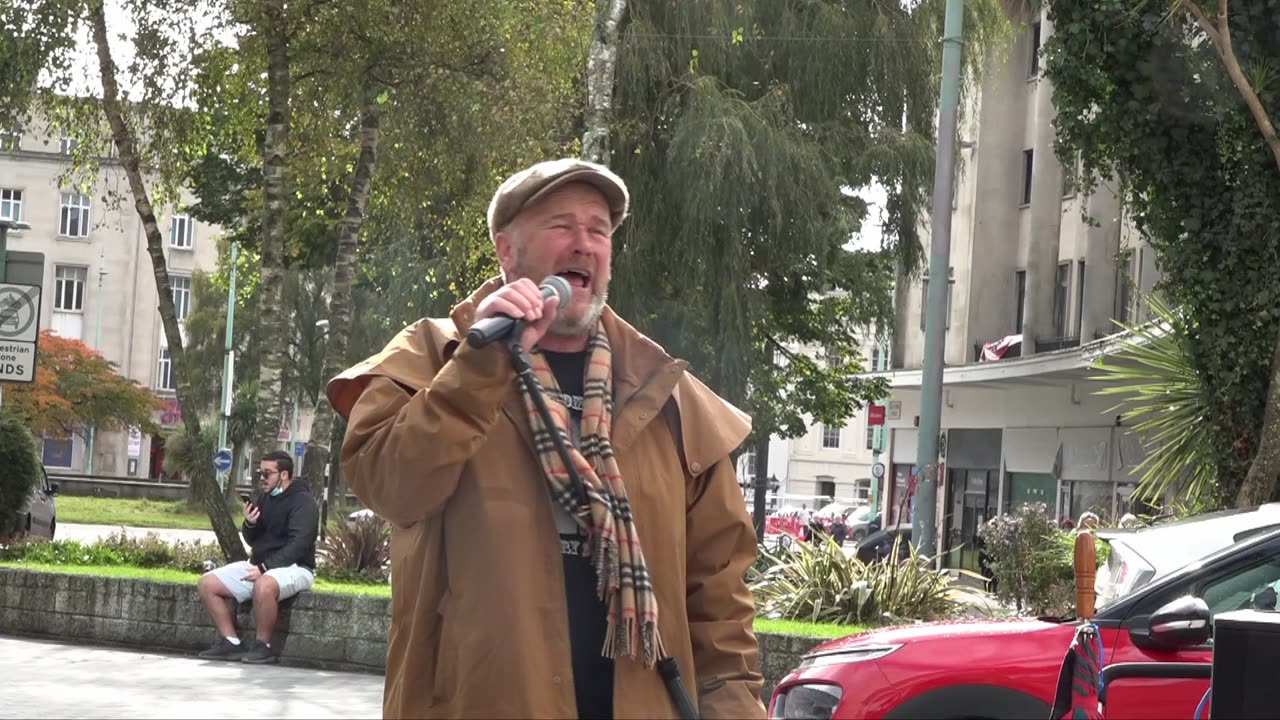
column 324, row 630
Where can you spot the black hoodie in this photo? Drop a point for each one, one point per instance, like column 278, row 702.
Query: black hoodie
column 286, row 530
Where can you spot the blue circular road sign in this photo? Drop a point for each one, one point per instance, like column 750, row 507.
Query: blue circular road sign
column 222, row 460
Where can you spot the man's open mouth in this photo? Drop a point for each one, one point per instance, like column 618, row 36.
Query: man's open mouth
column 576, row 278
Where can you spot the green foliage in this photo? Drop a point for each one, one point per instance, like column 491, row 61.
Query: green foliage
column 739, row 127
column 190, row 457
column 1033, row 560
column 1143, row 98
column 1161, row 396
column 356, row 550
column 818, row 582
column 21, row 468
column 116, row 550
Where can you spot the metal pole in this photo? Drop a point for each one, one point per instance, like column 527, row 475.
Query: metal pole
column 878, row 436
column 97, row 345
column 228, row 369
column 926, row 505
column 4, row 250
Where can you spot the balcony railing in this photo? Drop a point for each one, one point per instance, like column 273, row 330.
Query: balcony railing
column 1050, row 344
column 1014, row 351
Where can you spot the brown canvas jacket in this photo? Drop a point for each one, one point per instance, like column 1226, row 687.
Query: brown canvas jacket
column 439, row 445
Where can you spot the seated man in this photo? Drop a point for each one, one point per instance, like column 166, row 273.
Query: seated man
column 281, row 528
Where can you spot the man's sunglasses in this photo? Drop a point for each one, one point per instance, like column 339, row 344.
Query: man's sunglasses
column 267, row 473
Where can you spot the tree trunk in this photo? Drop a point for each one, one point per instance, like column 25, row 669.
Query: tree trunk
column 1260, row 484
column 205, row 487
column 602, row 60
column 758, row 510
column 318, row 449
column 274, row 325
column 233, row 478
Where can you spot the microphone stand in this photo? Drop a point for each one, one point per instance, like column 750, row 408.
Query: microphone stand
column 667, row 666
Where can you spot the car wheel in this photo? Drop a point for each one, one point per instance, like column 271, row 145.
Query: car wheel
column 859, row 535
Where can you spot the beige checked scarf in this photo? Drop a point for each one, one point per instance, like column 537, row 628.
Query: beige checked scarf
column 623, row 581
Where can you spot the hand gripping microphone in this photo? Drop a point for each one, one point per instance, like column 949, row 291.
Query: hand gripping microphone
column 499, row 326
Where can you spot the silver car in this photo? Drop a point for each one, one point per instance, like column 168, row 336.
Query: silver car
column 39, row 517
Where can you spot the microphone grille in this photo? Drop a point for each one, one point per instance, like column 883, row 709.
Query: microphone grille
column 560, row 287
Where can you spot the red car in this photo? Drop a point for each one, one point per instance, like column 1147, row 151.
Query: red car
column 1009, row 668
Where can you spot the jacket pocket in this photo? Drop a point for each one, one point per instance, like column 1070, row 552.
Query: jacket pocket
column 444, row 684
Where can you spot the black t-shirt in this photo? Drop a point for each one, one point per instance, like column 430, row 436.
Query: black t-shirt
column 592, row 672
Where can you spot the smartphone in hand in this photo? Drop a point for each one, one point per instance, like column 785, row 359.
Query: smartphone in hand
column 244, row 497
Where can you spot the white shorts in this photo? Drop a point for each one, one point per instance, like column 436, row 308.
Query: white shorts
column 292, row 579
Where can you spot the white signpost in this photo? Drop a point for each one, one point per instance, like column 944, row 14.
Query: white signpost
column 19, row 331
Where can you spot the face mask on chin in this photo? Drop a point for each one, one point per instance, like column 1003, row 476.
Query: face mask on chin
column 276, row 490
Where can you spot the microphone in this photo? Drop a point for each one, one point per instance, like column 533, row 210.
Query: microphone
column 499, row 326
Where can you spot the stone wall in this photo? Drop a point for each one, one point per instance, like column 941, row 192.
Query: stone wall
column 324, row 630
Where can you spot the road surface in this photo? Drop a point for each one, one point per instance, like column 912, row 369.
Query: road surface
column 54, row 680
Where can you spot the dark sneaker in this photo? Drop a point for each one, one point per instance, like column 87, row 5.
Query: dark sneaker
column 224, row 649
column 259, row 655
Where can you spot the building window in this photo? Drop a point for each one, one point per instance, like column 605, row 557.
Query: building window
column 68, row 286
column 749, row 465
column 1033, row 58
column 11, row 140
column 181, row 287
column 56, row 452
column 181, row 232
column 74, row 215
column 164, row 373
column 10, row 204
column 831, row 357
column 1079, row 297
column 826, row 488
column 1020, row 304
column 830, row 437
column 67, row 145
column 871, row 436
column 1028, row 158
column 875, row 357
column 1060, row 295
column 924, row 297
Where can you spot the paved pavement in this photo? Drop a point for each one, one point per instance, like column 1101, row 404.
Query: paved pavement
column 90, row 533
column 47, row 679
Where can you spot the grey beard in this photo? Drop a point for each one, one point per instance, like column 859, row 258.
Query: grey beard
column 564, row 326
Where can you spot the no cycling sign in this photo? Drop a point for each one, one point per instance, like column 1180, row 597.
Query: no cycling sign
column 19, row 331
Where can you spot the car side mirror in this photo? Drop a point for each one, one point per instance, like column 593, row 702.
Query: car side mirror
column 1182, row 623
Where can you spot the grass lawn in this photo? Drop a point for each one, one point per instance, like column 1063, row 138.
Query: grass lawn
column 786, row 627
column 180, row 576
column 134, row 512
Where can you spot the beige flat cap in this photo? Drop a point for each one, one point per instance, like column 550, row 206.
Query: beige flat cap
column 532, row 184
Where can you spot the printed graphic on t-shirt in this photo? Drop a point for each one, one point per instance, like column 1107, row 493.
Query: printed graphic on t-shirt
column 573, row 402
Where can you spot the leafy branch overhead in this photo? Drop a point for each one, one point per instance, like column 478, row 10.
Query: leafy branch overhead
column 1145, row 97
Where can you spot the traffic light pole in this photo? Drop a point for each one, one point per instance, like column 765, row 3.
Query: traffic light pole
column 924, row 524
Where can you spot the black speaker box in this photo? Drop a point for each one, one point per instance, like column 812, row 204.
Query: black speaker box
column 1246, row 655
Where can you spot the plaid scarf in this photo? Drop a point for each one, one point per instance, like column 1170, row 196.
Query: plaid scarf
column 622, row 579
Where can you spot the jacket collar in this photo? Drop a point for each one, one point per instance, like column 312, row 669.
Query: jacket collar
column 644, row 375
column 636, row 358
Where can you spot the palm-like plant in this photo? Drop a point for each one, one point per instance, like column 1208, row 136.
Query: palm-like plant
column 1157, row 384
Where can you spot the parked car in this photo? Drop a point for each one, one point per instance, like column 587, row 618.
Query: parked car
column 879, row 544
column 1009, row 668
column 1139, row 556
column 39, row 517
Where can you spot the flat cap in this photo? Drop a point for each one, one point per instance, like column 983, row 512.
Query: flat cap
column 532, row 184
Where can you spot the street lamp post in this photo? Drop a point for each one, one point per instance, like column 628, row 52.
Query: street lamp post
column 228, row 367
column 97, row 345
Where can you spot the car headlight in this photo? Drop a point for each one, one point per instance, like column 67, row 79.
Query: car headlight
column 810, row 701
column 846, row 655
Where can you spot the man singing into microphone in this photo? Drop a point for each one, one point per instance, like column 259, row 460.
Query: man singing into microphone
column 491, row 615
